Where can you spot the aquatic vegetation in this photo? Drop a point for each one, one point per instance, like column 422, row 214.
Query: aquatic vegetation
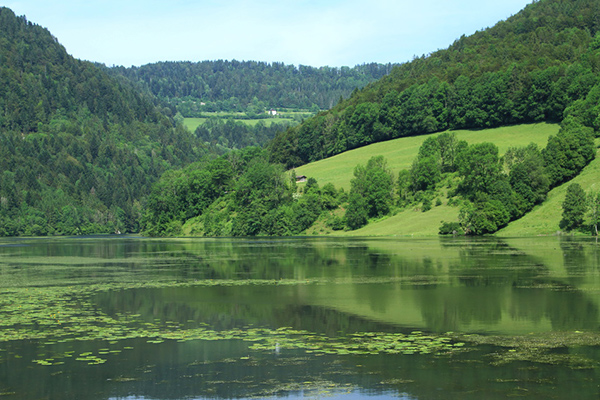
column 542, row 348
column 65, row 314
column 61, row 314
column 37, row 306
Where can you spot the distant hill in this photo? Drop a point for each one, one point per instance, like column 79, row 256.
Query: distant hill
column 208, row 86
column 79, row 149
column 533, row 67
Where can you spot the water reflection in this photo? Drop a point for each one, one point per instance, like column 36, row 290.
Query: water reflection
column 448, row 285
column 328, row 286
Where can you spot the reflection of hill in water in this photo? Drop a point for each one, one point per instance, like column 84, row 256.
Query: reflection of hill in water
column 488, row 285
column 347, row 285
column 474, row 285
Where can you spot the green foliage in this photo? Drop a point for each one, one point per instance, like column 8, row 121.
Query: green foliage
column 79, row 149
column 574, row 207
column 527, row 174
column 249, row 86
column 451, row 228
column 568, row 152
column 336, row 223
column 494, row 196
column 370, row 194
column 230, row 134
column 425, row 173
column 330, row 197
column 356, row 214
column 479, row 167
column 593, row 206
column 403, row 188
column 427, row 204
column 500, row 76
column 483, row 217
column 183, row 194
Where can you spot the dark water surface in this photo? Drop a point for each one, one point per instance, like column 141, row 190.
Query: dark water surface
column 451, row 318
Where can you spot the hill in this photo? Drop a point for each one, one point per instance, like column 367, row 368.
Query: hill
column 539, row 66
column 401, row 153
column 79, row 149
column 195, row 88
column 530, row 68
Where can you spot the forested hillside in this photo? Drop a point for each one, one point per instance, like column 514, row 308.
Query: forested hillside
column 250, row 85
column 86, row 150
column 539, row 65
column 79, row 149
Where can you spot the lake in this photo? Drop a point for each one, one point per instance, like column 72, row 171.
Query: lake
column 339, row 318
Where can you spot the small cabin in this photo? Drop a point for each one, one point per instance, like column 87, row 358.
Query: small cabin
column 300, row 178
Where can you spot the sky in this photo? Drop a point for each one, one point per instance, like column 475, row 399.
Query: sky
column 308, row 32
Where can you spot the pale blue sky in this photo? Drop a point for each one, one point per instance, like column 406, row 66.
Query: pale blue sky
column 308, row 32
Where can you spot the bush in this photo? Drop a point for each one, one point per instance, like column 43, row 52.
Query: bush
column 426, row 204
column 451, row 228
column 336, row 223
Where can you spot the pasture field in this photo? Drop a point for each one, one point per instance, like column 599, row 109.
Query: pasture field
column 544, row 219
column 192, row 123
column 282, row 116
column 400, row 153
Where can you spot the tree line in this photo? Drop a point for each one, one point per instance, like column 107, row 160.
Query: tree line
column 249, row 85
column 237, row 194
column 225, row 135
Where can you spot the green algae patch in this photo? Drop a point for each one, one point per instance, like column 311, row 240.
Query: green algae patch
column 62, row 314
column 554, row 348
column 65, row 314
column 354, row 344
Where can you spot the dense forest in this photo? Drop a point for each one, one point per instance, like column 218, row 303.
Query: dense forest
column 79, row 149
column 225, row 135
column 249, row 86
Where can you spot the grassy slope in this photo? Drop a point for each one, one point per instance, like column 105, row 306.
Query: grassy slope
column 544, row 219
column 400, row 154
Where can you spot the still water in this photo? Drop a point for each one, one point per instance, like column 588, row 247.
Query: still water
column 440, row 318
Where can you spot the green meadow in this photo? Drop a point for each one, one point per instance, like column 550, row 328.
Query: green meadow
column 544, row 219
column 193, row 123
column 283, row 116
column 400, row 153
